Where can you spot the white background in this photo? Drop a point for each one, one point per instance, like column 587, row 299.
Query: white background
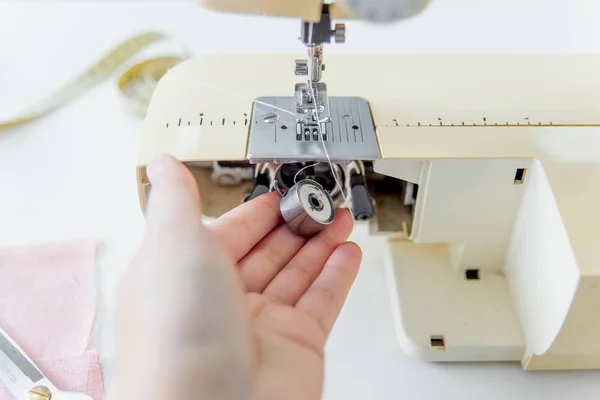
column 71, row 174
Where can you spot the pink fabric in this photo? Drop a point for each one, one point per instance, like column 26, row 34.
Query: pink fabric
column 47, row 305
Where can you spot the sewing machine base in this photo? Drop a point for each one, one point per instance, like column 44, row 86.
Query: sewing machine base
column 470, row 315
column 499, row 161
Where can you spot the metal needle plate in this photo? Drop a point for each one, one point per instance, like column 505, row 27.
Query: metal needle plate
column 275, row 135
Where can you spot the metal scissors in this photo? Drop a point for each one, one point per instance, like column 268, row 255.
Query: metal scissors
column 24, row 379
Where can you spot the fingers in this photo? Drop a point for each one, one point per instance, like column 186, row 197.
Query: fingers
column 325, row 298
column 242, row 228
column 268, row 257
column 298, row 275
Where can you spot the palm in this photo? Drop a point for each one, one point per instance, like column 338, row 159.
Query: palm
column 295, row 291
column 288, row 349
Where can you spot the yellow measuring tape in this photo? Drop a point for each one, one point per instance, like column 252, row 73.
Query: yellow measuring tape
column 136, row 84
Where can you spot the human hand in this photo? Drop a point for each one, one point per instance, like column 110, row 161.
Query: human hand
column 238, row 309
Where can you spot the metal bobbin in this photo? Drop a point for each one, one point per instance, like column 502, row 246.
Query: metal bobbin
column 307, row 208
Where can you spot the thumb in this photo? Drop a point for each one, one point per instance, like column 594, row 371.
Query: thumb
column 183, row 303
column 176, row 241
column 174, row 195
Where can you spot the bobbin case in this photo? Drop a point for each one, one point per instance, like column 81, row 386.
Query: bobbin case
column 307, row 208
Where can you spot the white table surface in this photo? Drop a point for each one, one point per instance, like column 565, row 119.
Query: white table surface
column 71, row 175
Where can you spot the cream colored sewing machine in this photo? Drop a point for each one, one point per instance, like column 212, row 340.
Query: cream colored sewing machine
column 484, row 171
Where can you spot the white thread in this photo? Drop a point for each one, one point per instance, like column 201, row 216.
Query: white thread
column 347, row 203
column 318, row 119
column 302, row 169
column 234, row 94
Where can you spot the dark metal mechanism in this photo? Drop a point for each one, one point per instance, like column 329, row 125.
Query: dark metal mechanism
column 322, row 31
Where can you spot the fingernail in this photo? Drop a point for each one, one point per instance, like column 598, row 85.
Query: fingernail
column 158, row 165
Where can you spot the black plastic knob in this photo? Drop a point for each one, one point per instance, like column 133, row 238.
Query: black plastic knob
column 362, row 206
column 257, row 191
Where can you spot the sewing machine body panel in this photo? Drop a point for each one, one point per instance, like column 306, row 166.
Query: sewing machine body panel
column 543, row 243
column 466, row 320
column 497, row 257
column 201, row 108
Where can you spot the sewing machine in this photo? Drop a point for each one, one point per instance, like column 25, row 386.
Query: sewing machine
column 483, row 172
